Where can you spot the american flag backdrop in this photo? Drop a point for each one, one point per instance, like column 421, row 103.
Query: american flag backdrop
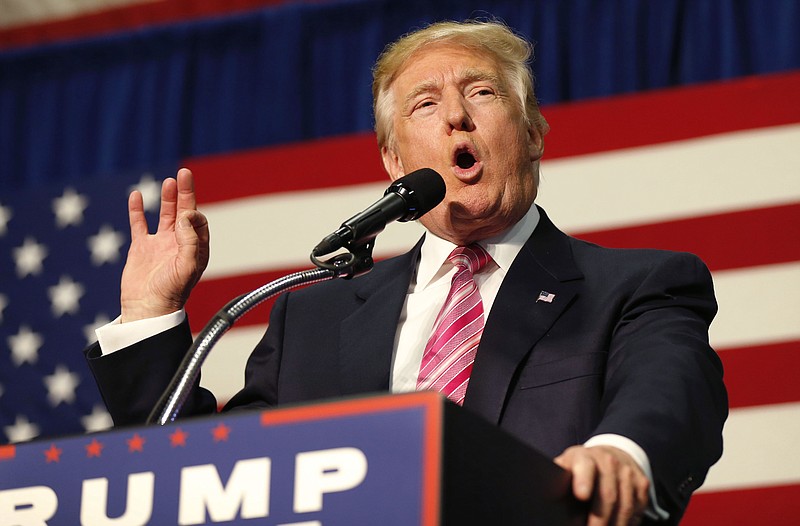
column 673, row 168
column 61, row 254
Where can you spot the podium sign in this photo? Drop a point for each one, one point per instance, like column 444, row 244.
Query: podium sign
column 366, row 461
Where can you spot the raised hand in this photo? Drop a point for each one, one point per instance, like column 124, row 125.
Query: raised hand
column 162, row 268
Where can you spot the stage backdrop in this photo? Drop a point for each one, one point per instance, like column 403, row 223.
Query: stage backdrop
column 675, row 125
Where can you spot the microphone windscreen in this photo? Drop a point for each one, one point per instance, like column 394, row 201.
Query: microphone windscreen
column 422, row 190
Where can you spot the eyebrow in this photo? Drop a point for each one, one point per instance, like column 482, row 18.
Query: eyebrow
column 467, row 76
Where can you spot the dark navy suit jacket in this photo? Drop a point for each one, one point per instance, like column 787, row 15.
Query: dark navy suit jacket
column 621, row 348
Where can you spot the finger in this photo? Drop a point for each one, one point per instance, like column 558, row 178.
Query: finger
column 136, row 218
column 187, row 199
column 641, row 492
column 604, row 504
column 169, row 211
column 626, row 500
column 584, row 472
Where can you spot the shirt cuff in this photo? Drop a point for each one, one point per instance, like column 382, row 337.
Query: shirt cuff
column 114, row 336
column 653, row 511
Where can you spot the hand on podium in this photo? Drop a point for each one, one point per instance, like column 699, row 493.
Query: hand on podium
column 611, row 479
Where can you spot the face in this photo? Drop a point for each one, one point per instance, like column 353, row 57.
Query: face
column 454, row 113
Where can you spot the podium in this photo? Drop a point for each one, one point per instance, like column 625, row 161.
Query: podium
column 405, row 460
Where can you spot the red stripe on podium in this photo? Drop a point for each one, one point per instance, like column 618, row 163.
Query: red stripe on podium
column 8, row 452
column 773, row 506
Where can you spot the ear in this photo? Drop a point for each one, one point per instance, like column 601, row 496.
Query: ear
column 392, row 163
column 535, row 142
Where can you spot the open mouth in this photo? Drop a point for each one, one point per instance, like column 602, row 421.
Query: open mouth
column 464, row 158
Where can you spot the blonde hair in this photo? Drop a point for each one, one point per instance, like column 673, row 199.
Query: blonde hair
column 491, row 38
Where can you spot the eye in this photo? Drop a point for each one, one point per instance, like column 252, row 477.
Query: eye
column 424, row 105
column 484, row 92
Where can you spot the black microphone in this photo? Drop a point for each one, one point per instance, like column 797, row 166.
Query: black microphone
column 406, row 199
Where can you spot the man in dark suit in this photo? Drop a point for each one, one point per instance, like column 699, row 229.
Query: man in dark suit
column 597, row 357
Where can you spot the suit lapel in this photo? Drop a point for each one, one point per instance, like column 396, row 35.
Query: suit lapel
column 517, row 320
column 367, row 336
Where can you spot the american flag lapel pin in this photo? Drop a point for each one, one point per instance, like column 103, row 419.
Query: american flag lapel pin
column 546, row 297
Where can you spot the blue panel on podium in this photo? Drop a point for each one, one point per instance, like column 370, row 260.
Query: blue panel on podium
column 361, row 461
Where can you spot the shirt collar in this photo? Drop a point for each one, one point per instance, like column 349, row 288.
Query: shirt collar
column 503, row 248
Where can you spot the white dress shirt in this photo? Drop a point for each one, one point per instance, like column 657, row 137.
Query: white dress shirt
column 429, row 288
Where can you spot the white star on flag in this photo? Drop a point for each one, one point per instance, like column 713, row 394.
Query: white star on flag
column 69, row 208
column 3, row 305
column 98, row 420
column 65, row 296
column 105, row 245
column 29, row 257
column 25, row 346
column 61, row 386
column 89, row 330
column 61, row 257
column 151, row 192
column 5, row 217
column 21, row 430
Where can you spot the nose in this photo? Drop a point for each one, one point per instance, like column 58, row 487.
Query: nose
column 457, row 115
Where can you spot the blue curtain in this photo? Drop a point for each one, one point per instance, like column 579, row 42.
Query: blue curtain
column 97, row 107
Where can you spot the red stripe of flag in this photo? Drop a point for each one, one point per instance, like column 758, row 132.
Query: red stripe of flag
column 211, row 295
column 313, row 165
column 673, row 114
column 746, row 238
column 577, row 129
column 773, row 506
column 127, row 17
column 763, row 374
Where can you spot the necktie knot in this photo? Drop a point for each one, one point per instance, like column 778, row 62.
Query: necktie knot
column 472, row 257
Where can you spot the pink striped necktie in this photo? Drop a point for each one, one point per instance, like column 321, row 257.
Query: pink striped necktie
column 450, row 351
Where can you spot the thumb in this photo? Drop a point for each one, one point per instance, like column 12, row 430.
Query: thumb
column 186, row 230
column 191, row 235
